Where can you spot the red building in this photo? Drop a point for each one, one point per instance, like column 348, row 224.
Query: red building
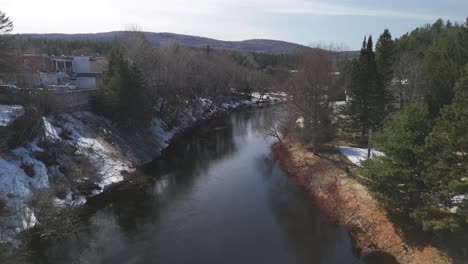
column 36, row 70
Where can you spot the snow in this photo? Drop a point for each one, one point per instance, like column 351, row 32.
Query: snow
column 357, row 155
column 338, row 106
column 51, row 132
column 160, row 132
column 272, row 96
column 9, row 113
column 15, row 189
column 300, row 122
column 460, row 198
column 100, row 153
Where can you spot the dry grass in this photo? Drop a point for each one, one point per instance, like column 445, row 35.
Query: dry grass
column 342, row 199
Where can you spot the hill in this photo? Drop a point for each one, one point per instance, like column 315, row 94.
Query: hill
column 252, row 45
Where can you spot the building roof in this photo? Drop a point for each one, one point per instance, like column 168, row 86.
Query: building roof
column 87, row 74
column 61, row 58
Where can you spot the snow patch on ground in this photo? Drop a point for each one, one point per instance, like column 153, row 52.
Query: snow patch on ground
column 9, row 113
column 274, row 96
column 16, row 188
column 357, row 155
column 300, row 122
column 338, row 106
column 107, row 158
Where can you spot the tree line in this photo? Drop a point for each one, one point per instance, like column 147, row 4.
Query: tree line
column 143, row 80
column 59, row 47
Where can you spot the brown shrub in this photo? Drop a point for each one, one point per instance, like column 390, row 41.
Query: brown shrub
column 28, row 168
column 65, row 133
column 52, row 151
column 24, row 129
column 80, row 174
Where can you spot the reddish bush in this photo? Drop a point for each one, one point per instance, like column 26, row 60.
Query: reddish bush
column 328, row 200
column 28, row 168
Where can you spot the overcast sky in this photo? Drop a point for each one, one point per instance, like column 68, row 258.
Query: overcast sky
column 300, row 21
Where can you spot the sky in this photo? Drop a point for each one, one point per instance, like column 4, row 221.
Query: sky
column 341, row 22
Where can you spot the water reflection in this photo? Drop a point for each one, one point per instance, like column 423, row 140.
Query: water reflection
column 223, row 200
column 308, row 235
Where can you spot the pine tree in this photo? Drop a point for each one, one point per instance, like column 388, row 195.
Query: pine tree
column 106, row 97
column 396, row 177
column 385, row 59
column 121, row 96
column 441, row 73
column 446, row 166
column 367, row 106
column 137, row 106
column 7, row 58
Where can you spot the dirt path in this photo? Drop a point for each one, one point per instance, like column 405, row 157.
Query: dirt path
column 344, row 200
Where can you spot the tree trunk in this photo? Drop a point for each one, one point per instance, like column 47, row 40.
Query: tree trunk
column 315, row 125
column 369, row 146
column 401, row 95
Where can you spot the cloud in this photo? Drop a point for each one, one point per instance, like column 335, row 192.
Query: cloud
column 319, row 8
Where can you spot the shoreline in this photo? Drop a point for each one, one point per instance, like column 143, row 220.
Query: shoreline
column 343, row 200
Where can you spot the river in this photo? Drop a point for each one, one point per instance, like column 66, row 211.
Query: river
column 223, row 200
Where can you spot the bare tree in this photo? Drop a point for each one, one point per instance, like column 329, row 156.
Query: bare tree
column 408, row 78
column 311, row 87
column 271, row 128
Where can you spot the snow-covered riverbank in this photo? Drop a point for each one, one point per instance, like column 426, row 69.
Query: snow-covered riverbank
column 8, row 113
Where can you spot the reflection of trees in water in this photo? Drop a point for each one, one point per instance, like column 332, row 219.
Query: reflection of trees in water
column 116, row 231
column 308, row 236
column 99, row 246
column 257, row 120
column 191, row 159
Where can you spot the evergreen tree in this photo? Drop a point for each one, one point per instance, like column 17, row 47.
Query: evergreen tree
column 367, row 106
column 441, row 72
column 446, row 166
column 396, row 177
column 106, row 97
column 385, row 59
column 121, row 96
column 6, row 45
column 136, row 106
column 441, row 50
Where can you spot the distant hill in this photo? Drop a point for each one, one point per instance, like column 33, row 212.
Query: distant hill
column 253, row 45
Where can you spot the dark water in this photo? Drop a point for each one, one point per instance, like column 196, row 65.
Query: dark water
column 224, row 201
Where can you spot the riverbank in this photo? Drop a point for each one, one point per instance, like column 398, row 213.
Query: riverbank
column 342, row 199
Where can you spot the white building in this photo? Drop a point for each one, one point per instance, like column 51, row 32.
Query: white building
column 82, row 77
column 44, row 70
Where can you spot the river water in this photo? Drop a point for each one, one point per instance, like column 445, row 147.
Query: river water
column 223, row 200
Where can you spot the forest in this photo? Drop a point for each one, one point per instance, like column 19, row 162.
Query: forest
column 407, row 97
column 423, row 174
